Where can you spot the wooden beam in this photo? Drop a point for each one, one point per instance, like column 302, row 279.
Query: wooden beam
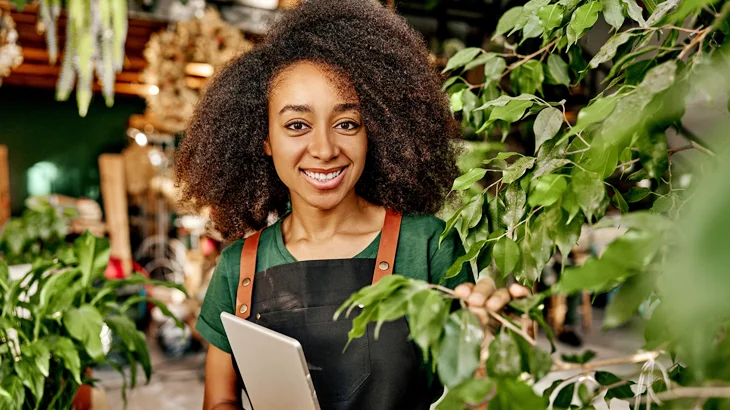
column 114, row 193
column 4, row 185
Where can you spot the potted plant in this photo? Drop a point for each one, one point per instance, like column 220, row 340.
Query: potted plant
column 57, row 321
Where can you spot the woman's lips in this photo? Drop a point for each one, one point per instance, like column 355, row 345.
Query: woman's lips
column 324, row 184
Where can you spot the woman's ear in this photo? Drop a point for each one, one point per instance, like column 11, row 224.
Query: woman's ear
column 267, row 147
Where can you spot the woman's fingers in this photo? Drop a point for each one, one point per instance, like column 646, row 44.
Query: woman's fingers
column 464, row 290
column 481, row 292
column 499, row 300
column 518, row 291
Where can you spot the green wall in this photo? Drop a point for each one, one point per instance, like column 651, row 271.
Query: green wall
column 37, row 128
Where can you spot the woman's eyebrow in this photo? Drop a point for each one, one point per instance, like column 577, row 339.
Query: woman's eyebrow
column 297, row 108
column 340, row 108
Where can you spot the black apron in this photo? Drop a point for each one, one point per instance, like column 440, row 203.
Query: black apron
column 299, row 300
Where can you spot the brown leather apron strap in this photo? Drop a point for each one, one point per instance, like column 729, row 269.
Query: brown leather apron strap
column 388, row 245
column 246, row 275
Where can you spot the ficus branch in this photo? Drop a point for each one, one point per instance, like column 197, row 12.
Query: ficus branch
column 691, row 393
column 529, row 57
column 641, row 357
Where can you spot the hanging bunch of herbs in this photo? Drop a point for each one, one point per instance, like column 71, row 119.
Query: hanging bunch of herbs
column 521, row 209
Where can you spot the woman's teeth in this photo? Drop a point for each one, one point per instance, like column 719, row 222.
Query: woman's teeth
column 323, row 177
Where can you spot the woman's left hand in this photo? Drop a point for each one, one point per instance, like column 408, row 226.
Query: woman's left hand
column 484, row 296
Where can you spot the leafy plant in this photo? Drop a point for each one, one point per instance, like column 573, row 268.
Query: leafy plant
column 39, row 233
column 521, row 208
column 57, row 321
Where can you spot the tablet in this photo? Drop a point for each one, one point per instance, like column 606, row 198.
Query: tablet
column 272, row 366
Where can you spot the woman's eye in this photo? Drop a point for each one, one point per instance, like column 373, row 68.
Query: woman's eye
column 297, row 126
column 348, row 125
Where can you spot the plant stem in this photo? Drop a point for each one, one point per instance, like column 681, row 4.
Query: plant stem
column 637, row 358
column 528, row 58
column 692, row 392
column 506, row 323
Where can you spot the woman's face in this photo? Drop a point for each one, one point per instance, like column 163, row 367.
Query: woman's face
column 316, row 136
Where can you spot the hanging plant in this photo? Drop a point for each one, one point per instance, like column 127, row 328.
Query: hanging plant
column 207, row 43
column 11, row 55
column 95, row 34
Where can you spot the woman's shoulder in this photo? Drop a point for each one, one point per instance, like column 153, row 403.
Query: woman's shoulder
column 422, row 224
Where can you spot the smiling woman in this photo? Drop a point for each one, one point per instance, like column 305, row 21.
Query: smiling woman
column 339, row 114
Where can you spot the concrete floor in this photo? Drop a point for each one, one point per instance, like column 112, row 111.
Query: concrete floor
column 177, row 383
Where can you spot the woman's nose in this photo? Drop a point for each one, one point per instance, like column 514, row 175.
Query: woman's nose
column 323, row 145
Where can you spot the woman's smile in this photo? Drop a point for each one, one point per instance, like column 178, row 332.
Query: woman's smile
column 324, row 179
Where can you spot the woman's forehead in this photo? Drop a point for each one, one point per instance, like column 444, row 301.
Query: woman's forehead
column 310, row 80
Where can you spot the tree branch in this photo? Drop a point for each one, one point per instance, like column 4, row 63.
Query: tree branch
column 637, row 358
column 506, row 323
column 691, row 393
column 529, row 57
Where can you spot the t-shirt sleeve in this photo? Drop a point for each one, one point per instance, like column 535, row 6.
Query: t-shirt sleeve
column 443, row 256
column 218, row 299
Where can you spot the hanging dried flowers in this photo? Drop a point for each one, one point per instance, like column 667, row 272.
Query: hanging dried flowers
column 11, row 55
column 206, row 42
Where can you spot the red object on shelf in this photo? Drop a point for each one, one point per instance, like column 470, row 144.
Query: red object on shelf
column 114, row 269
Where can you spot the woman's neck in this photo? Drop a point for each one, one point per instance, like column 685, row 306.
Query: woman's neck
column 354, row 215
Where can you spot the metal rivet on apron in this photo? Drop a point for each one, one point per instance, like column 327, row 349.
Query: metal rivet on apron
column 243, row 309
column 246, row 282
column 383, row 265
column 258, row 316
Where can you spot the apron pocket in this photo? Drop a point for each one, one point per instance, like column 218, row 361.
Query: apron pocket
column 336, row 375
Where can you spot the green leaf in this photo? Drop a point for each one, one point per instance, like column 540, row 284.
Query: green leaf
column 659, row 78
column 613, row 13
column 567, row 233
column 547, row 124
column 636, row 194
column 661, row 11
column 506, row 254
column 633, row 250
column 456, row 102
column 594, row 113
column 525, row 305
column 583, row 358
column 500, row 157
column 459, row 352
column 546, row 190
column 619, row 201
column 451, row 82
column 551, row 16
column 532, row 28
column 609, row 379
column 64, row 348
column 396, row 305
column 527, row 78
column 540, row 363
column 583, row 19
column 134, row 339
column 467, row 180
column 630, row 295
column 589, row 191
column 515, row 395
column 594, row 276
column 493, row 70
column 635, row 12
column 608, row 50
column 515, row 200
column 427, row 314
column 508, row 20
column 84, row 324
column 456, row 267
column 517, row 169
column 462, row 58
column 510, row 112
column 503, row 100
column 688, row 7
column 642, row 220
column 93, row 254
column 504, row 357
column 558, row 69
column 471, row 391
column 481, row 60
column 31, row 376
column 653, row 154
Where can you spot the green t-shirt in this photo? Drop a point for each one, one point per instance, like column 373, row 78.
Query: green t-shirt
column 418, row 256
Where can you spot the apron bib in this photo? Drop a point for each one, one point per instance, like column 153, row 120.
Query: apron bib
column 299, row 300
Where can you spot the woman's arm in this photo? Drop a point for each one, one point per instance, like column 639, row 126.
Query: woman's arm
column 221, row 387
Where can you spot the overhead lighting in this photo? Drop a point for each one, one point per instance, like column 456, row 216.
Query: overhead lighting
column 199, row 69
column 153, row 90
column 141, row 139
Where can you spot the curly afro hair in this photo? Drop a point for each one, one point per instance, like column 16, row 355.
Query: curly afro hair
column 411, row 161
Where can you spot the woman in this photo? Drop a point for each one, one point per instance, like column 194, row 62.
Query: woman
column 339, row 115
